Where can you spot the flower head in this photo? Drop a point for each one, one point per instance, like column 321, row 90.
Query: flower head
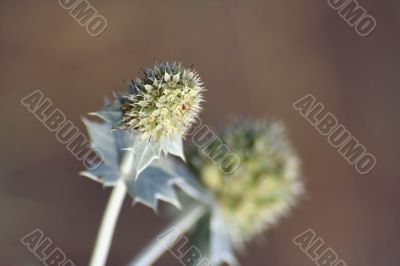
column 164, row 102
column 264, row 186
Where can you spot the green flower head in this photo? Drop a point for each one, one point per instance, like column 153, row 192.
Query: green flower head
column 164, row 102
column 265, row 185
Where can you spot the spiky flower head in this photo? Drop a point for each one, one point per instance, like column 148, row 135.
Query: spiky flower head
column 264, row 186
column 164, row 102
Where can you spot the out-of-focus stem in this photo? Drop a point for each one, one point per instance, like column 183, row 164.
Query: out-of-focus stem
column 168, row 237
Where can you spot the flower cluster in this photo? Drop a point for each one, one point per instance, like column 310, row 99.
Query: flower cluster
column 264, row 186
column 162, row 103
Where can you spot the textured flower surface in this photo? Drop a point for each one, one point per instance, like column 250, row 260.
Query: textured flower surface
column 265, row 185
column 162, row 103
column 157, row 110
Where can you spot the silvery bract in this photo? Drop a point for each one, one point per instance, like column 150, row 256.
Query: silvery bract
column 154, row 183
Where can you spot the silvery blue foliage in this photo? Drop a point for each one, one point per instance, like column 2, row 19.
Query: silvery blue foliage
column 221, row 249
column 210, row 237
column 157, row 177
column 156, row 183
column 108, row 144
column 145, row 150
column 111, row 111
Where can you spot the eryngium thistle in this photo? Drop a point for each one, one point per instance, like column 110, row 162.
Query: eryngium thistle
column 264, row 186
column 164, row 102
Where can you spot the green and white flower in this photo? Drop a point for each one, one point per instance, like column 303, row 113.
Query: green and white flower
column 164, row 102
column 157, row 109
column 262, row 189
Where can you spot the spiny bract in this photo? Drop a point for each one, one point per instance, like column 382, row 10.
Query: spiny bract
column 264, row 186
column 164, row 102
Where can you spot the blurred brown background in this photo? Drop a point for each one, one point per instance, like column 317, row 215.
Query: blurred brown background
column 256, row 58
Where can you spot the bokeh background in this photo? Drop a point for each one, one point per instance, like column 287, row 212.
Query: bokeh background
column 256, row 58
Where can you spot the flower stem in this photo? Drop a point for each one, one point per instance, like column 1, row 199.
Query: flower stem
column 166, row 239
column 110, row 216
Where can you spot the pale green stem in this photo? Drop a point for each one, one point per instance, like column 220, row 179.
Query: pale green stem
column 168, row 237
column 110, row 216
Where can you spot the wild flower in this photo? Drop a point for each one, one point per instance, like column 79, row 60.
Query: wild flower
column 164, row 102
column 265, row 185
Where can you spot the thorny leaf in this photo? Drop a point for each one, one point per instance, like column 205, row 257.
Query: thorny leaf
column 156, row 178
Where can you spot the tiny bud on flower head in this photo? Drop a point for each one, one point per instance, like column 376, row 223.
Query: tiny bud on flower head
column 162, row 103
column 262, row 188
